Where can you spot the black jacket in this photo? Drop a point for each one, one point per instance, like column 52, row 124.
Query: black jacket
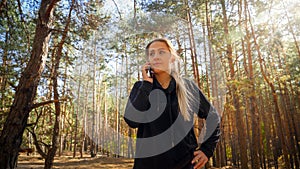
column 156, row 148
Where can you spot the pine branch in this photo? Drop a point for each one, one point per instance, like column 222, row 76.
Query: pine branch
column 38, row 147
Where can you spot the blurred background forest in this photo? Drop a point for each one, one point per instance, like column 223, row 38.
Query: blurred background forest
column 67, row 67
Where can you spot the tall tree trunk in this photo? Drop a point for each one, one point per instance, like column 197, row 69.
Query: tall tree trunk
column 106, row 135
column 219, row 160
column 130, row 152
column 119, row 125
column 290, row 111
column 3, row 77
column 266, row 127
column 235, row 95
column 11, row 136
column 51, row 153
column 213, row 84
column 278, row 113
column 192, row 45
column 199, row 124
column 93, row 140
column 255, row 140
column 78, row 108
column 64, row 108
column 273, row 131
column 55, row 136
column 99, row 100
column 117, row 104
column 84, row 125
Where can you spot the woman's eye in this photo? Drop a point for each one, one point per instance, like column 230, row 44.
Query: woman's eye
column 162, row 52
column 152, row 54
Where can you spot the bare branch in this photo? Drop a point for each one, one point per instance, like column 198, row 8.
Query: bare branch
column 117, row 9
column 37, row 146
column 43, row 103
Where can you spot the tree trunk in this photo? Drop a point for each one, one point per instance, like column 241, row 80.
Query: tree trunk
column 267, row 135
column 55, row 136
column 84, row 125
column 115, row 108
column 130, row 152
column 273, row 133
column 51, row 153
column 192, row 45
column 11, row 136
column 278, row 113
column 235, row 95
column 3, row 77
column 290, row 110
column 106, row 135
column 255, row 140
column 93, row 140
column 64, row 108
column 77, row 108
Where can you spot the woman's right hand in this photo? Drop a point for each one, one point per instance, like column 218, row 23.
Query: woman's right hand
column 145, row 68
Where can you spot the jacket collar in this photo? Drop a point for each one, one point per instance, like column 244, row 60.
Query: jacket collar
column 171, row 87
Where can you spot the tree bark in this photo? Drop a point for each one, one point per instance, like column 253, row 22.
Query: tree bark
column 235, row 96
column 192, row 45
column 64, row 108
column 78, row 108
column 255, row 122
column 289, row 111
column 93, row 150
column 278, row 112
column 3, row 77
column 55, row 136
column 130, row 152
column 11, row 136
column 267, row 135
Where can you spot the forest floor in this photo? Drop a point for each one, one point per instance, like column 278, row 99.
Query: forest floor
column 68, row 162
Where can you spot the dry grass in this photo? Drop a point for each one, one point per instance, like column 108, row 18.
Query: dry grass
column 68, row 162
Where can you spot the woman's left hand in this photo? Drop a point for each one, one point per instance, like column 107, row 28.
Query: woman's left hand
column 199, row 160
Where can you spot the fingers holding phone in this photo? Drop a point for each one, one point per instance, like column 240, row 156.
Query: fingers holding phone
column 147, row 72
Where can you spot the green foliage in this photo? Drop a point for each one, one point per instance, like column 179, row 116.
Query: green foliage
column 102, row 57
column 15, row 41
column 165, row 6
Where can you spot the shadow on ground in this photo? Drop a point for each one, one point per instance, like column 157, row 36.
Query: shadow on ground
column 67, row 162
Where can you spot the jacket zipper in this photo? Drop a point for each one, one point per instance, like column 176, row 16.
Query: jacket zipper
column 171, row 120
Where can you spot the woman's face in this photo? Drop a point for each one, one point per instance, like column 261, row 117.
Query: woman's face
column 159, row 57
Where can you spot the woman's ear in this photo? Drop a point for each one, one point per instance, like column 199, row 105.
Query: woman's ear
column 172, row 58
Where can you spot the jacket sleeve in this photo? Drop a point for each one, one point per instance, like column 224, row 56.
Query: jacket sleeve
column 205, row 110
column 212, row 133
column 139, row 99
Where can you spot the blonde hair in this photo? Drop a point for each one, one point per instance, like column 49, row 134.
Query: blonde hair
column 184, row 96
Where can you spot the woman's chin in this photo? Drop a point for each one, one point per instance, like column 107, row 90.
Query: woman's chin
column 159, row 71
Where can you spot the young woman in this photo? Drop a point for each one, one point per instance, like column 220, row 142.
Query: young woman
column 162, row 107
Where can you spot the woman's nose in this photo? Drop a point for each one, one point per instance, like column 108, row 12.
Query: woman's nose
column 156, row 56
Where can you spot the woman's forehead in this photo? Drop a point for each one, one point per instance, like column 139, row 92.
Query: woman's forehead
column 158, row 45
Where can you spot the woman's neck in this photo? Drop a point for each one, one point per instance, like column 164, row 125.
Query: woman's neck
column 163, row 79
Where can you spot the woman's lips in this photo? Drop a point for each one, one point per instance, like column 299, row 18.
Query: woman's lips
column 156, row 64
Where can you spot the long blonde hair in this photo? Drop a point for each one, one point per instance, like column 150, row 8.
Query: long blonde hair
column 183, row 95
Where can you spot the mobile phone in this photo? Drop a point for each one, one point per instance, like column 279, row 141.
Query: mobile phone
column 150, row 72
